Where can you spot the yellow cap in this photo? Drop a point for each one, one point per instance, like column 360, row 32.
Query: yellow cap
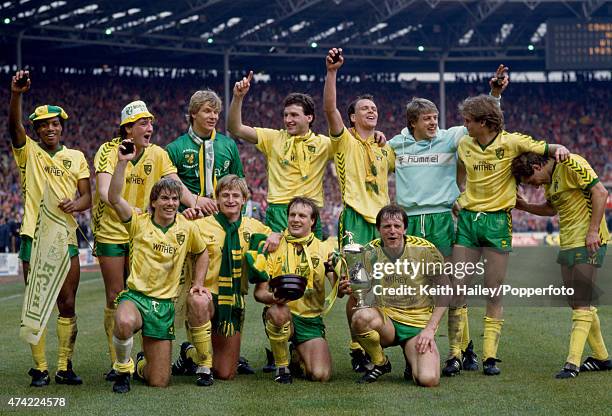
column 48, row 111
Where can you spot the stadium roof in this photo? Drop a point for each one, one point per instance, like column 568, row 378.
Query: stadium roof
column 397, row 35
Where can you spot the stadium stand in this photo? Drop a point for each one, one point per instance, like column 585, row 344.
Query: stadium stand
column 574, row 114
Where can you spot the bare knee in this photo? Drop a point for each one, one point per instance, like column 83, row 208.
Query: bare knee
column 320, row 374
column 124, row 325
column 66, row 305
column 158, row 380
column 362, row 320
column 428, row 379
column 225, row 373
column 278, row 314
column 199, row 309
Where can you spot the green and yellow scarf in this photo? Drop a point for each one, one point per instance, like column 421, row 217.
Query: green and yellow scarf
column 230, row 295
column 302, row 156
column 298, row 260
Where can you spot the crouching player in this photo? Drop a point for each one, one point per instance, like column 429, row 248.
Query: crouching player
column 300, row 321
column 159, row 242
column 573, row 191
column 409, row 320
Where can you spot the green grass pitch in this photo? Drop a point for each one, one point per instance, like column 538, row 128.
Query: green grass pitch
column 533, row 348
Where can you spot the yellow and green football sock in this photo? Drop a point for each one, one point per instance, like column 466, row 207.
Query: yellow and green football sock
column 201, row 340
column 66, row 337
column 38, row 352
column 109, row 326
column 354, row 344
column 465, row 339
column 370, row 341
column 595, row 339
column 456, row 325
column 582, row 320
column 492, row 333
column 279, row 342
column 140, row 365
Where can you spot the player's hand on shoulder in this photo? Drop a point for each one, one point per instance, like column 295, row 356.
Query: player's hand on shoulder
column 562, row 153
column 208, row 206
column 380, row 138
column 193, row 213
column 272, row 242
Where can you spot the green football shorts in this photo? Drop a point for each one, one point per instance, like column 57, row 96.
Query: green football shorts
column 305, row 329
column 403, row 332
column 25, row 249
column 157, row 314
column 352, row 224
column 438, row 229
column 485, row 229
column 111, row 249
column 580, row 255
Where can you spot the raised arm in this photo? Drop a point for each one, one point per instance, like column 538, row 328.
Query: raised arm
column 334, row 119
column 15, row 125
column 234, row 121
column 500, row 81
column 115, row 189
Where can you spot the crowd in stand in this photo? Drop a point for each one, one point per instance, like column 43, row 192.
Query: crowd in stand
column 574, row 114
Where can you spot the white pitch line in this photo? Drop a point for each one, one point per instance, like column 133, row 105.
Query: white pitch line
column 21, row 294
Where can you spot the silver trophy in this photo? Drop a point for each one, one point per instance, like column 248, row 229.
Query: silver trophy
column 355, row 256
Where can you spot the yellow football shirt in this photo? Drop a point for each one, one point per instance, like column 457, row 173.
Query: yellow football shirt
column 351, row 158
column 294, row 170
column 312, row 303
column 410, row 308
column 140, row 177
column 569, row 192
column 61, row 171
column 157, row 254
column 214, row 237
column 490, row 185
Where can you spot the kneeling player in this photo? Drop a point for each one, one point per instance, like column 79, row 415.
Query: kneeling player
column 579, row 198
column 406, row 320
column 159, row 242
column 300, row 321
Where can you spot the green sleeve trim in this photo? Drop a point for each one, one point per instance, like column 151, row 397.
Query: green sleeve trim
column 592, row 184
column 128, row 220
column 333, row 136
column 546, row 149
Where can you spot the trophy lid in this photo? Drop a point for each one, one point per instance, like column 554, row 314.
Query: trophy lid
column 288, row 286
column 353, row 248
